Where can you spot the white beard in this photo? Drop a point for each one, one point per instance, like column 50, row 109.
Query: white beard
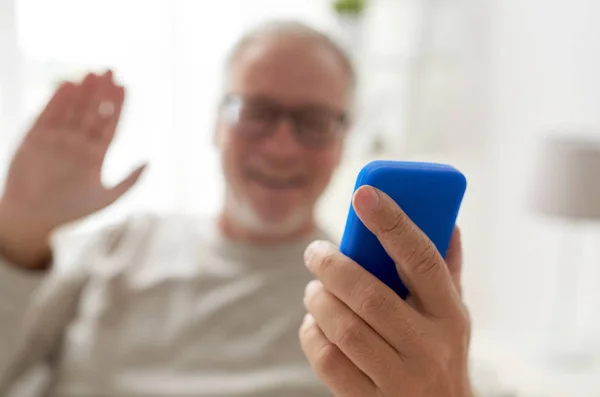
column 244, row 215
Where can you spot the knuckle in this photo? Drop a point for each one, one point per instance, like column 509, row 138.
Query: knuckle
column 394, row 224
column 423, row 259
column 413, row 331
column 327, row 359
column 371, row 300
column 324, row 262
column 350, row 334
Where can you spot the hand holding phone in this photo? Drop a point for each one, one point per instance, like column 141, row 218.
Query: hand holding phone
column 429, row 193
column 377, row 344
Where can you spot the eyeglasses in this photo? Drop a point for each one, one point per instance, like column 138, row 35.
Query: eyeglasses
column 256, row 118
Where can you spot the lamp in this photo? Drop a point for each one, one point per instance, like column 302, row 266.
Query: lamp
column 567, row 179
column 566, row 186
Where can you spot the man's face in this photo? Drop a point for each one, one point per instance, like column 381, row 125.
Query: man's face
column 281, row 129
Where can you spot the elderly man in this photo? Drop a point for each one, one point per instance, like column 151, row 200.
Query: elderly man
column 186, row 307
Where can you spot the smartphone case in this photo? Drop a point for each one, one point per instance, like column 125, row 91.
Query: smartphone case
column 429, row 193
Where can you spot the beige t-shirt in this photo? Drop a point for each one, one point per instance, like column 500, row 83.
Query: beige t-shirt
column 167, row 307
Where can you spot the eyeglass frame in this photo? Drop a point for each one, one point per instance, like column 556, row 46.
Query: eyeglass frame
column 232, row 105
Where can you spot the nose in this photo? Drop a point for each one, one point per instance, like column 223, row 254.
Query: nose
column 282, row 141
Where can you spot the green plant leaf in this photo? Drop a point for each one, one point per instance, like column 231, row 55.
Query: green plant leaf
column 355, row 7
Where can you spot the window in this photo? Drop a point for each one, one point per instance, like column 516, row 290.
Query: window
column 170, row 54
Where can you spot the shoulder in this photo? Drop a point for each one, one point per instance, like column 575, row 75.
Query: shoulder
column 167, row 229
column 132, row 238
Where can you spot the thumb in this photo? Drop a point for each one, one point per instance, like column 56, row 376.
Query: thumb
column 454, row 259
column 123, row 187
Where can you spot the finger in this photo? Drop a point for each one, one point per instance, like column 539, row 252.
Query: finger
column 391, row 317
column 56, row 109
column 334, row 369
column 454, row 263
column 419, row 263
column 96, row 117
column 454, row 259
column 119, row 190
column 114, row 101
column 351, row 334
column 82, row 99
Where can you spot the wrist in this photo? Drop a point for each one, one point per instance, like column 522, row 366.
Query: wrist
column 24, row 240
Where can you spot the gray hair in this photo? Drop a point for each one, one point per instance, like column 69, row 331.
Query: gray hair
column 290, row 28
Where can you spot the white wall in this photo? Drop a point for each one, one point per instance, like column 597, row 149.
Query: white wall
column 545, row 57
column 172, row 64
column 10, row 77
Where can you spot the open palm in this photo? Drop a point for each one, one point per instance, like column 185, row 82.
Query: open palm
column 55, row 175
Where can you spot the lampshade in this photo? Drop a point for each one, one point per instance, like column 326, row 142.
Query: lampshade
column 566, row 179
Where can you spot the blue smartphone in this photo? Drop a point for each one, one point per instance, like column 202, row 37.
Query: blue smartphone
column 429, row 193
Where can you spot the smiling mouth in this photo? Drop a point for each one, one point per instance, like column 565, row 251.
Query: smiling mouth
column 276, row 181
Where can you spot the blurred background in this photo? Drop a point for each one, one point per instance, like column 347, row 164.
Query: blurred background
column 475, row 83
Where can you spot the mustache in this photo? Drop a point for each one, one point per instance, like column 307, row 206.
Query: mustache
column 278, row 178
column 280, row 166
